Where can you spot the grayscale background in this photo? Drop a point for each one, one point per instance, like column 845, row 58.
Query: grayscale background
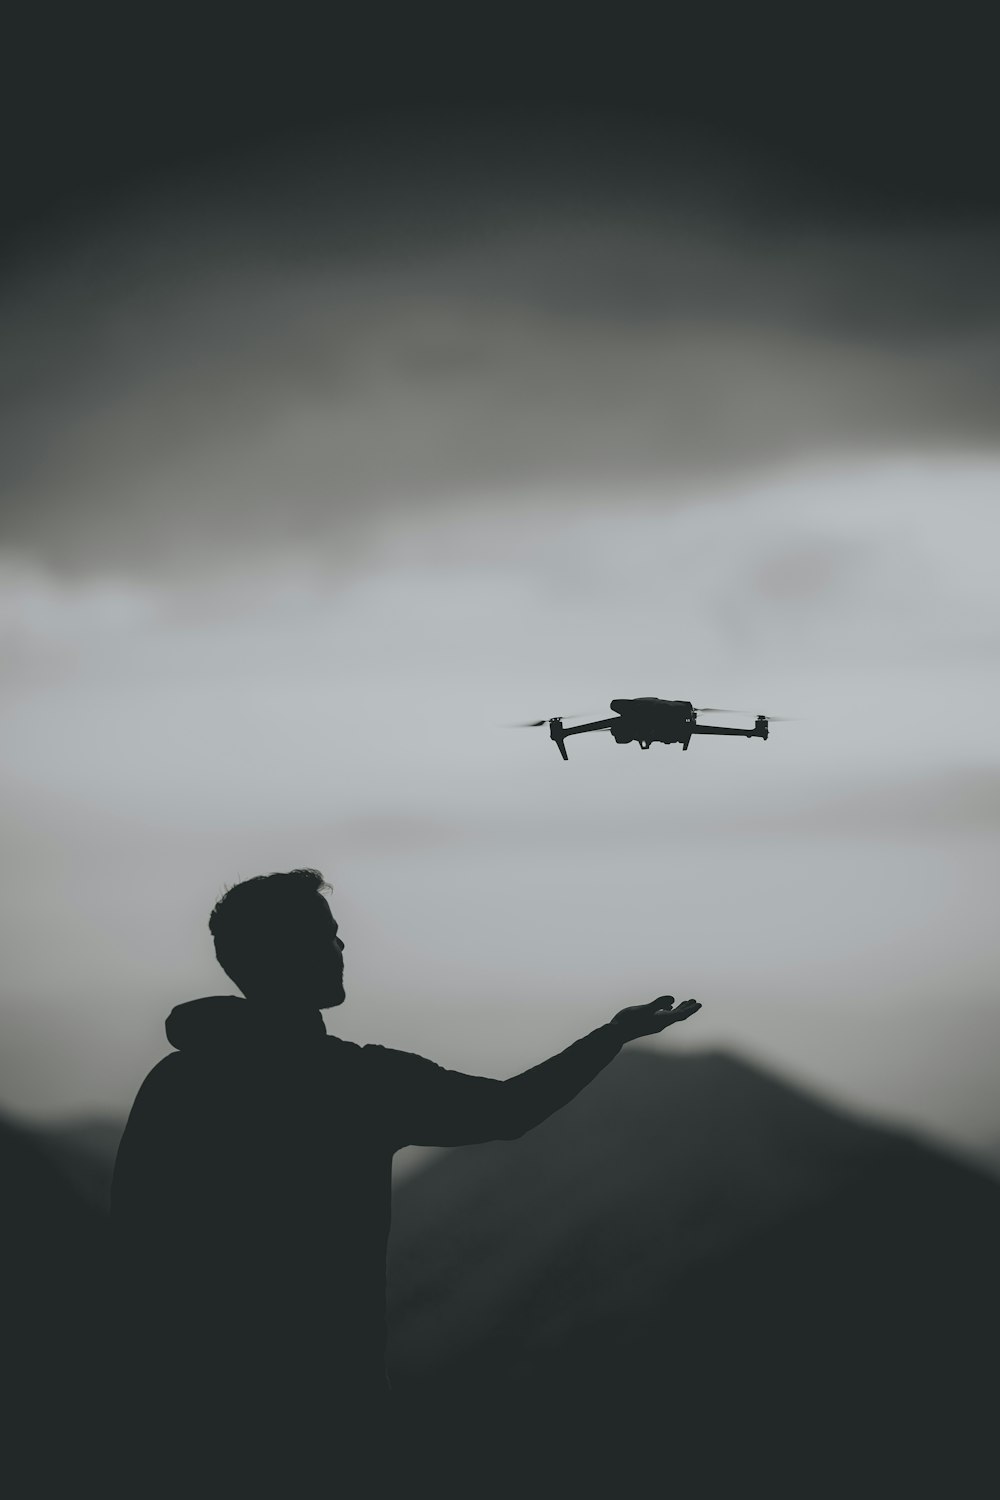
column 372, row 384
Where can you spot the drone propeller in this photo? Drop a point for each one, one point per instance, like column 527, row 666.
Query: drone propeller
column 540, row 723
column 750, row 713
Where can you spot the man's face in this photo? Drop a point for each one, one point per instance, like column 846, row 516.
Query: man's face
column 319, row 958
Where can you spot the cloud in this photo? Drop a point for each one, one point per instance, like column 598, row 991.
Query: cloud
column 47, row 619
column 861, row 597
column 245, row 369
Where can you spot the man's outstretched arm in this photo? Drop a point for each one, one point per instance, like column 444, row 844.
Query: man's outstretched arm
column 433, row 1106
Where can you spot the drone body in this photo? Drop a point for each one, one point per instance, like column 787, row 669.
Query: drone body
column 647, row 721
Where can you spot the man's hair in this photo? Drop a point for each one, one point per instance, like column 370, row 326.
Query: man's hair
column 253, row 917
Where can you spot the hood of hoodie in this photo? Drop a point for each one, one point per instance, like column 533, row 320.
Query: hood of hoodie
column 223, row 1023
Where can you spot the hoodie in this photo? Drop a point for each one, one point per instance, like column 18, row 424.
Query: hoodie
column 251, row 1201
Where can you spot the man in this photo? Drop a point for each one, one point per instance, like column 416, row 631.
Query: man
column 251, row 1209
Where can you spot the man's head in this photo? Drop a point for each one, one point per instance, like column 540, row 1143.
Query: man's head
column 276, row 938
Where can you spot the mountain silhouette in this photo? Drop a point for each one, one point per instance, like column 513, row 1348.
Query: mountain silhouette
column 695, row 1274
column 84, row 1150
column 54, row 1279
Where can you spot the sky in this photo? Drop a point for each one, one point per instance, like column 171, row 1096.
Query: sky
column 323, row 465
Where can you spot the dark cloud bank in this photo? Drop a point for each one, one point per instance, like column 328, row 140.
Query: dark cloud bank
column 316, row 337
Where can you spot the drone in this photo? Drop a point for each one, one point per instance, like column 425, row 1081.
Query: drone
column 647, row 721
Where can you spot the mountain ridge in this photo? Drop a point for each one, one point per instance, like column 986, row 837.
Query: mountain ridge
column 733, row 1250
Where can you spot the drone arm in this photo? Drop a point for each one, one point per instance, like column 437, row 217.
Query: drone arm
column 717, row 729
column 759, row 730
column 585, row 728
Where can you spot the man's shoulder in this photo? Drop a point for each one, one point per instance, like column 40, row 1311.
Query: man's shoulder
column 341, row 1053
column 392, row 1063
column 160, row 1099
column 163, row 1076
column 362, row 1058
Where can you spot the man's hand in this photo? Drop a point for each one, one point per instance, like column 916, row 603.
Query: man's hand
column 647, row 1020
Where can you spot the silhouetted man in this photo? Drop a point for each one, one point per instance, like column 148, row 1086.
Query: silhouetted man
column 251, row 1209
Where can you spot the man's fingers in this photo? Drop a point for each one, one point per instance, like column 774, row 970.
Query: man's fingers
column 654, row 1015
column 681, row 1013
